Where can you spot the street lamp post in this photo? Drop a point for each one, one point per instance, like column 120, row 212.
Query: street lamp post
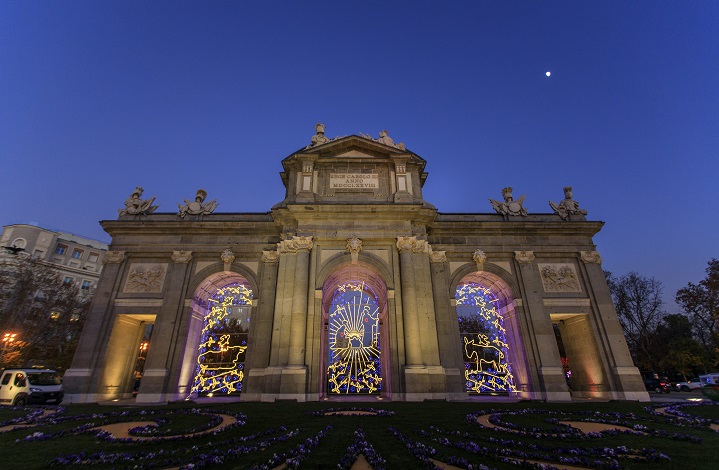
column 7, row 339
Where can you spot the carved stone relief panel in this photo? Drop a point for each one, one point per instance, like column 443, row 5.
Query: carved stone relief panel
column 559, row 277
column 145, row 278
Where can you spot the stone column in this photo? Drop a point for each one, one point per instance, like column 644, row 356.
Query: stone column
column 298, row 325
column 81, row 380
column 261, row 329
column 413, row 347
column 627, row 379
column 167, row 342
column 447, row 326
column 551, row 374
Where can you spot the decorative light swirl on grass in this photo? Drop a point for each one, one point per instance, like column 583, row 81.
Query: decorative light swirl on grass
column 352, row 411
column 360, row 446
column 563, row 431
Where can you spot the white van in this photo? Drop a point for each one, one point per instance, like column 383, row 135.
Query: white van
column 710, row 379
column 24, row 386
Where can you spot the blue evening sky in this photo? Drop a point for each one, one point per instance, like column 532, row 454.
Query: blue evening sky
column 97, row 97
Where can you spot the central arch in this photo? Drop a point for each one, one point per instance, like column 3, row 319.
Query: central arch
column 354, row 350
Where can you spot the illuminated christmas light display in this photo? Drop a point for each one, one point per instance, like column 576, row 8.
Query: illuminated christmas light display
column 354, row 341
column 223, row 344
column 484, row 341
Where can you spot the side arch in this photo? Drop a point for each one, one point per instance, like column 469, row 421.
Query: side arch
column 504, row 292
column 203, row 288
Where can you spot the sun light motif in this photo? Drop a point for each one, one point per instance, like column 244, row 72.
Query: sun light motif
column 484, row 343
column 221, row 353
column 354, row 341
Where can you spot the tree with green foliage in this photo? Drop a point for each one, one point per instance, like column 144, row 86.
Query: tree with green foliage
column 676, row 348
column 701, row 303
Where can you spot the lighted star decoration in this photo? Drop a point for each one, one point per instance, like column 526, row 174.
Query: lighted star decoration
column 223, row 342
column 354, row 341
column 484, row 343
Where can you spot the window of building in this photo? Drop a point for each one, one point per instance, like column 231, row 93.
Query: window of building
column 93, row 257
column 67, row 280
column 19, row 243
column 86, row 285
column 77, row 254
column 60, row 250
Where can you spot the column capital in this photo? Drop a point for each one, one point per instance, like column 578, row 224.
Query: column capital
column 270, row 256
column 295, row 244
column 590, row 257
column 411, row 244
column 524, row 257
column 182, row 257
column 437, row 256
column 113, row 257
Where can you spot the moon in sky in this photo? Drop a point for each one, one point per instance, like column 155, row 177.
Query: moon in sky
column 548, row 73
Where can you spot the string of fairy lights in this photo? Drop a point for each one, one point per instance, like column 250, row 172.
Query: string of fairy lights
column 486, row 361
column 354, row 348
column 223, row 342
column 354, row 365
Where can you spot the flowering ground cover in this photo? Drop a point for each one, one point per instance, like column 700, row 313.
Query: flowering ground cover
column 387, row 435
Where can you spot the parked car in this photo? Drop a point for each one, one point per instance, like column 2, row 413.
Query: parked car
column 657, row 385
column 688, row 386
column 24, row 386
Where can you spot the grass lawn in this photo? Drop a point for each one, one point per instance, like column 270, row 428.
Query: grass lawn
column 268, row 434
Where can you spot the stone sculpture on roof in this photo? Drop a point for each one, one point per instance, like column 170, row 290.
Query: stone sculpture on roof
column 136, row 206
column 509, row 206
column 198, row 207
column 568, row 206
column 319, row 138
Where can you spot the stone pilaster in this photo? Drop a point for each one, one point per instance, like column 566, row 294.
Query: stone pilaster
column 549, row 364
column 258, row 358
column 83, row 377
column 159, row 380
column 413, row 348
column 626, row 378
column 447, row 326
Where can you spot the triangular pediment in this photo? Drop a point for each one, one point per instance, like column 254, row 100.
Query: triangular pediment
column 356, row 146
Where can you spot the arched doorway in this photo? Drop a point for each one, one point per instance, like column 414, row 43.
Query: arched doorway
column 223, row 341
column 353, row 345
column 488, row 335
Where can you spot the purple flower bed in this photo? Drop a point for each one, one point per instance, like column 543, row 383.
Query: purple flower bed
column 297, row 454
column 360, row 446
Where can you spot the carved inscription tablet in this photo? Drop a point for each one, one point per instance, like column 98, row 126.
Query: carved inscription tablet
column 145, row 277
column 354, row 181
column 559, row 277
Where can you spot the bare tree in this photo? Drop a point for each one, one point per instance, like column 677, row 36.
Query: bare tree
column 701, row 303
column 46, row 314
column 639, row 305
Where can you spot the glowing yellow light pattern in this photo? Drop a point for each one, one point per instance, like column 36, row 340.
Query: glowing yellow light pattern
column 223, row 342
column 484, row 343
column 354, row 342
